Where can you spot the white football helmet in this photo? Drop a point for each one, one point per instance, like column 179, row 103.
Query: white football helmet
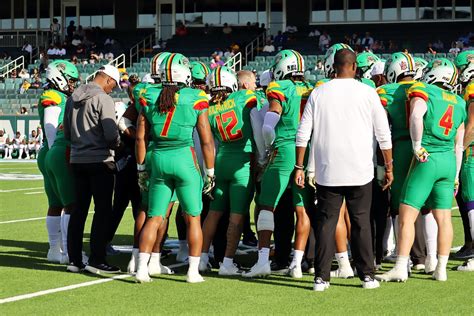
column 175, row 69
column 398, row 66
column 288, row 62
column 442, row 71
column 222, row 78
column 155, row 65
column 329, row 58
column 467, row 74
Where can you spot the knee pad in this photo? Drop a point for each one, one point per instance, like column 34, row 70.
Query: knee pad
column 265, row 221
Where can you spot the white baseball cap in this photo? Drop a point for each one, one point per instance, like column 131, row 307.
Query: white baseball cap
column 112, row 72
column 265, row 78
column 148, row 79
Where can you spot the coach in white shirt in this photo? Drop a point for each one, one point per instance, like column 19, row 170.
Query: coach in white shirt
column 342, row 117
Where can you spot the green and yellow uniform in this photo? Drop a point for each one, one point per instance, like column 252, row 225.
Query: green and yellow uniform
column 292, row 96
column 173, row 161
column 49, row 98
column 435, row 178
column 467, row 171
column 231, row 126
column 394, row 98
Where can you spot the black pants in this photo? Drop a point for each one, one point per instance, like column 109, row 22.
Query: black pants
column 418, row 250
column 91, row 180
column 284, row 228
column 358, row 201
column 126, row 190
column 379, row 213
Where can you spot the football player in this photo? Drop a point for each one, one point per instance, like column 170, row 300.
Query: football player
column 4, row 141
column 436, row 124
column 18, row 144
column 34, row 143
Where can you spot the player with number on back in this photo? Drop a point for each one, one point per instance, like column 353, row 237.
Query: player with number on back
column 170, row 122
column 437, row 129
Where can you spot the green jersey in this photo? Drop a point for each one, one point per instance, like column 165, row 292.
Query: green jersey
column 446, row 112
column 173, row 129
column 230, row 122
column 261, row 98
column 139, row 89
column 394, row 98
column 292, row 96
column 469, row 98
column 49, row 98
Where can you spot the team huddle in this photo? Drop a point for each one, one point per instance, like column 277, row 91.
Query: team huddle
column 217, row 140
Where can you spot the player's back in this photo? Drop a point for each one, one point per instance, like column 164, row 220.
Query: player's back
column 230, row 122
column 174, row 129
column 446, row 112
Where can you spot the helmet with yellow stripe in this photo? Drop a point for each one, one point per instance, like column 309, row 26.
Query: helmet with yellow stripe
column 465, row 63
column 288, row 63
column 222, row 78
column 443, row 72
column 155, row 65
column 365, row 63
column 398, row 66
column 420, row 66
column 199, row 71
column 329, row 58
column 175, row 69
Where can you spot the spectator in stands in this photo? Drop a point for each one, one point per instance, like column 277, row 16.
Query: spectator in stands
column 438, row 45
column 24, row 74
column 24, row 86
column 52, row 51
column 109, row 41
column 61, row 51
column 291, row 29
column 280, row 40
column 95, row 57
column 74, row 60
column 27, row 48
column 70, row 30
column 268, row 49
column 454, row 48
column 181, row 30
column 76, row 41
column 55, row 29
column 36, row 85
column 18, row 143
column 81, row 51
column 367, row 41
column 13, row 74
column 44, row 61
column 355, row 42
column 218, row 52
column 228, row 53
column 235, row 48
column 314, row 33
column 226, row 29
column 430, row 49
column 23, row 111
column 377, row 47
column 324, row 41
column 80, row 32
column 319, row 67
column 109, row 56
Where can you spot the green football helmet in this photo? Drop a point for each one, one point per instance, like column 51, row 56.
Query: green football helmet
column 288, row 62
column 465, row 63
column 365, row 63
column 222, row 78
column 398, row 66
column 60, row 73
column 199, row 71
column 175, row 69
column 420, row 66
column 155, row 65
column 443, row 72
column 329, row 58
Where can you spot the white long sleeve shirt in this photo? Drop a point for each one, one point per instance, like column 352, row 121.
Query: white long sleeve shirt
column 342, row 116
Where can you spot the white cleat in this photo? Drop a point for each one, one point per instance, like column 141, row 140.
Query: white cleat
column 440, row 275
column 295, row 272
column 194, row 278
column 370, row 283
column 343, row 273
column 157, row 269
column 229, row 271
column 182, row 255
column 394, row 275
column 468, row 266
column 258, row 270
column 54, row 255
column 430, row 264
column 419, row 267
column 320, row 285
column 142, row 276
column 64, row 258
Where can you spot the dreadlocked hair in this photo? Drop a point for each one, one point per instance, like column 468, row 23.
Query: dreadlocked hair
column 219, row 96
column 167, row 98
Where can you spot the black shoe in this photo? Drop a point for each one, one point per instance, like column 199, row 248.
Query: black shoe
column 100, row 268
column 165, row 253
column 279, row 268
column 75, row 268
column 250, row 241
column 109, row 249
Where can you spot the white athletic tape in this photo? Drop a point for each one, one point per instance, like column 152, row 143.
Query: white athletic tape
column 265, row 221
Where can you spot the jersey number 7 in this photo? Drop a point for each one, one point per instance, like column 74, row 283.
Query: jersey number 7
column 166, row 126
column 231, row 120
column 446, row 120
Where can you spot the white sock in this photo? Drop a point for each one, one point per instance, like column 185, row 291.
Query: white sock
column 205, row 257
column 388, row 236
column 442, row 262
column 228, row 262
column 470, row 214
column 342, row 259
column 64, row 225
column 263, row 255
column 402, row 263
column 53, row 225
column 155, row 258
column 183, row 245
column 143, row 258
column 194, row 265
column 430, row 231
column 297, row 258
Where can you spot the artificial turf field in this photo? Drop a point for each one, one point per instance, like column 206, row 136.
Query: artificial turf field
column 25, row 271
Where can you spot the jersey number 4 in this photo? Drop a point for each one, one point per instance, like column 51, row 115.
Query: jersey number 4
column 446, row 120
column 230, row 120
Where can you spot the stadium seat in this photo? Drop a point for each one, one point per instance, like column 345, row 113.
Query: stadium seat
column 441, row 55
column 260, row 59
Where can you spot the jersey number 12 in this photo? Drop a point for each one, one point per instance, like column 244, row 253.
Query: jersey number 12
column 230, row 119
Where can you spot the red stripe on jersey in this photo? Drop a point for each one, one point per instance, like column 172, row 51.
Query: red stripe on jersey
column 142, row 101
column 384, row 102
column 201, row 105
column 276, row 96
column 46, row 103
column 251, row 103
column 419, row 94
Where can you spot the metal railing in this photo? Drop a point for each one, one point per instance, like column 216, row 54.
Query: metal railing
column 118, row 62
column 252, row 48
column 140, row 49
column 235, row 62
column 16, row 64
column 19, row 37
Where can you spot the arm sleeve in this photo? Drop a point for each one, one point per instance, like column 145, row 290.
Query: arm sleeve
column 380, row 123
column 67, row 120
column 305, row 129
column 51, row 121
column 418, row 108
column 459, row 148
column 107, row 119
column 268, row 130
column 256, row 120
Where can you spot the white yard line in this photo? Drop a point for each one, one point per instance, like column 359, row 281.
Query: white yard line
column 27, row 219
column 37, row 192
column 72, row 287
column 17, row 190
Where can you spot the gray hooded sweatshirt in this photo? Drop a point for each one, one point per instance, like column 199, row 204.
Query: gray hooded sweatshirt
column 90, row 125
